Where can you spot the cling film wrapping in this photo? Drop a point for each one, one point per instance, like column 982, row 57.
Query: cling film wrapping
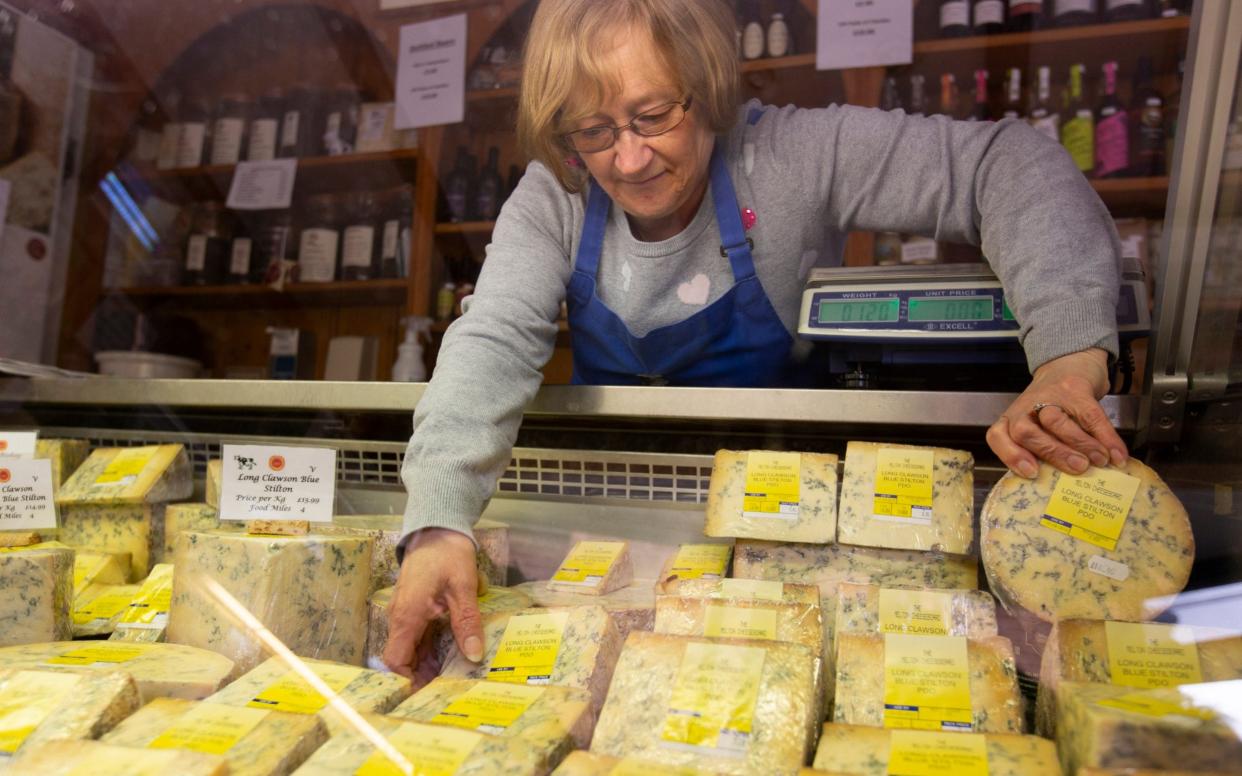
column 694, row 561
column 594, row 568
column 711, row 608
column 66, row 456
column 592, row 764
column 871, row 609
column 113, row 476
column 161, row 670
column 39, row 705
column 768, row 509
column 867, row 751
column 98, row 608
column 631, row 608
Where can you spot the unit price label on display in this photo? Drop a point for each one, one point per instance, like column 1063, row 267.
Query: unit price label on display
column 264, row 482
column 26, row 494
column 18, row 444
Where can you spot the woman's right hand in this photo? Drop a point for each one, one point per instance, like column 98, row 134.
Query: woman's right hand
column 438, row 576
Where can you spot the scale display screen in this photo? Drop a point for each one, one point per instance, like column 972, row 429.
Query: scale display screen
column 886, row 310
column 954, row 308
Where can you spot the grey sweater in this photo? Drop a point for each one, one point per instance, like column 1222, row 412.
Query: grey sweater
column 811, row 176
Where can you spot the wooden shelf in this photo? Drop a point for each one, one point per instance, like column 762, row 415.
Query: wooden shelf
column 466, row 227
column 483, row 95
column 390, row 291
column 399, row 156
column 1089, row 33
column 1133, row 195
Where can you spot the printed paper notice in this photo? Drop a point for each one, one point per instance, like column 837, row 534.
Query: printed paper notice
column 928, row 753
column 431, row 73
column 18, row 444
column 1149, row 654
column 528, row 649
column 927, row 683
column 264, row 482
column 26, row 494
column 864, row 33
column 263, row 185
column 1092, row 507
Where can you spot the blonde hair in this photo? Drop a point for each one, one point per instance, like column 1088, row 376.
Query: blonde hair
column 564, row 75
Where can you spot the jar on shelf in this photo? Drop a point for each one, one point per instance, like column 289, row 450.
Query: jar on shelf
column 207, row 248
column 194, row 133
column 358, row 251
column 228, row 131
column 264, row 135
column 297, row 124
column 274, row 244
column 320, row 240
column 396, row 208
column 340, row 126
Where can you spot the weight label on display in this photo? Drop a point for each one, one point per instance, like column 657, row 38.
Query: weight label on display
column 210, row 728
column 588, row 563
column 528, row 649
column 928, row 753
column 125, row 466
column 735, row 622
column 266, row 482
column 106, row 655
column 489, row 707
column 101, row 610
column 773, row 483
column 432, row 751
column 1092, row 507
column 903, row 485
column 701, row 561
column 757, row 589
column 1150, row 706
column 263, row 185
column 920, row 612
column 29, row 698
column 293, row 694
column 26, row 501
column 926, row 683
column 1098, row 564
column 18, row 444
column 1150, row 655
column 713, row 701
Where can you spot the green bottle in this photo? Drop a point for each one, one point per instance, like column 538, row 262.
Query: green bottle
column 1078, row 124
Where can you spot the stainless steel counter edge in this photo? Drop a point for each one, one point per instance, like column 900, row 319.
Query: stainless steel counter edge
column 694, row 404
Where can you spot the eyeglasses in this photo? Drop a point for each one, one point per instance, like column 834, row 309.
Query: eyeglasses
column 650, row 123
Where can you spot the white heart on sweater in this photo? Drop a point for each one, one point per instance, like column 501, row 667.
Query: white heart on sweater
column 695, row 290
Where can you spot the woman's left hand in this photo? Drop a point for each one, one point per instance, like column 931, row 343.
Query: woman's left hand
column 1058, row 419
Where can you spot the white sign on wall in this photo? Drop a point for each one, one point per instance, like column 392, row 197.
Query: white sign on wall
column 864, row 33
column 431, row 73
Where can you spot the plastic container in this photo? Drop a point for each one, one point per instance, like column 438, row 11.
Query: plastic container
column 131, row 363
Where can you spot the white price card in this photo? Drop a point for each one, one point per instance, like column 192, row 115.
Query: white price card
column 26, row 494
column 264, row 482
column 18, row 444
column 864, row 33
column 431, row 73
column 263, row 185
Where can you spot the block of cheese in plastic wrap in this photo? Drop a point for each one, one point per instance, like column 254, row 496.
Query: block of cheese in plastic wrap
column 1108, row 726
column 748, row 705
column 594, row 568
column 785, row 497
column 115, row 501
column 309, row 591
column 430, row 749
column 743, row 609
column 215, row 468
column 36, row 594
column 180, row 518
column 146, row 619
column 161, row 670
column 1147, row 655
column 492, row 539
column 631, row 608
column 574, row 646
column 869, row 691
column 274, row 685
column 871, row 609
column 1033, row 564
column 384, row 530
column 828, row 565
column 97, row 609
column 94, row 567
column 553, row 720
column 256, row 742
column 694, row 561
column 66, row 456
column 591, row 764
column 868, row 751
column 905, row 497
column 76, row 758
column 41, row 706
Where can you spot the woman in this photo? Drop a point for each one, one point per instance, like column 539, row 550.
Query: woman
column 680, row 227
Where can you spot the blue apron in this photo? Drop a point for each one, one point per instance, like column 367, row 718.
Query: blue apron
column 736, row 341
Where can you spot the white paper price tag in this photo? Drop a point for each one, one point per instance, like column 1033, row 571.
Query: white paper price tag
column 431, row 73
column 18, row 444
column 263, row 185
column 263, row 482
column 26, row 494
column 864, row 33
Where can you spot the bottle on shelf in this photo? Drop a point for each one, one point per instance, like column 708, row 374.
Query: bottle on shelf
column 918, row 95
column 954, row 18
column 295, row 128
column 1068, row 13
column 1170, row 8
column 1078, row 124
column 472, row 187
column 1112, row 130
column 274, row 246
column 890, row 98
column 754, row 39
column 228, row 131
column 340, row 126
column 988, row 16
column 1147, row 120
column 949, row 95
column 490, row 189
column 779, row 42
column 1025, row 15
column 264, row 137
column 358, row 254
column 170, row 135
column 981, row 112
column 396, row 207
column 457, row 189
column 1013, row 94
column 1043, row 115
column 143, row 143
column 241, row 251
column 319, row 244
column 192, row 140
column 208, row 247
column 446, row 297
column 1127, row 10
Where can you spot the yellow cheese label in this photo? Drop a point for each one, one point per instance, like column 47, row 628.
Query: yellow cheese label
column 1147, row 655
column 698, row 561
column 489, row 707
column 528, row 648
column 921, row 612
column 103, row 607
column 125, row 466
column 210, row 728
column 291, row 693
column 39, row 546
column 103, row 652
column 431, row 751
column 86, row 567
column 903, row 484
column 714, row 696
column 757, row 589
column 773, row 485
column 631, row 767
column 733, row 622
column 928, row 753
column 1145, row 704
column 149, row 609
column 27, row 699
column 926, row 682
column 1092, row 507
column 588, row 563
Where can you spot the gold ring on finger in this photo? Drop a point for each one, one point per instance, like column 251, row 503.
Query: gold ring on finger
column 1040, row 406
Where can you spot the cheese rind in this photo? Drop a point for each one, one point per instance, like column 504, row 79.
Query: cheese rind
column 161, row 670
column 1089, row 734
column 865, row 751
column 995, row 701
column 783, row 716
column 97, row 702
column 951, row 528
column 36, row 594
column 309, row 591
column 274, row 747
column 585, row 660
column 631, row 608
column 182, row 518
column 1051, row 574
column 970, row 613
column 828, row 565
column 73, row 758
column 816, row 520
column 215, row 468
column 619, row 573
column 66, row 456
column 385, row 531
column 370, row 692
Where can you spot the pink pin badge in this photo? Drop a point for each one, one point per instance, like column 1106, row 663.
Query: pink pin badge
column 748, row 218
